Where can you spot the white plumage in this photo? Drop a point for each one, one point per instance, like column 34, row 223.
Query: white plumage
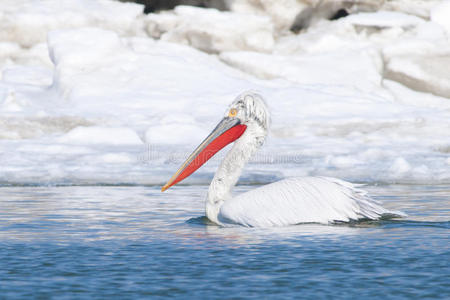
column 286, row 202
column 300, row 200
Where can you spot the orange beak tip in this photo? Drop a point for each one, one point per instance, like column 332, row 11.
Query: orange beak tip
column 165, row 187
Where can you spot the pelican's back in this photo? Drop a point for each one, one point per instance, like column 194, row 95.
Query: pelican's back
column 301, row 200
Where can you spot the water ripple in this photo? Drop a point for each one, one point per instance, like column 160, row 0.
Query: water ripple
column 134, row 242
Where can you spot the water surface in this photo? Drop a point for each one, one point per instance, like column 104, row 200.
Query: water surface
column 135, row 242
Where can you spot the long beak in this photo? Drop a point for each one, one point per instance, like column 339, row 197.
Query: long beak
column 226, row 132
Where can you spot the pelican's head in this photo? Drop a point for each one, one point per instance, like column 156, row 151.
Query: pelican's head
column 251, row 110
column 248, row 112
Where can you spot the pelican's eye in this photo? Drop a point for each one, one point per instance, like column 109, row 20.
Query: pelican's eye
column 233, row 112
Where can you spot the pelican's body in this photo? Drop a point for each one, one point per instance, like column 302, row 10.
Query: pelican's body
column 299, row 200
column 286, row 202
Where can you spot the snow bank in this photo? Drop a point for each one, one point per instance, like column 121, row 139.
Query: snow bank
column 418, row 8
column 384, row 19
column 115, row 106
column 213, row 31
column 354, row 69
column 27, row 22
column 440, row 15
column 101, row 135
column 80, row 51
column 282, row 13
column 401, row 47
column 426, row 73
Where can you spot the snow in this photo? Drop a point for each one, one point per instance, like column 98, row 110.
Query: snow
column 101, row 135
column 338, row 68
column 420, row 8
column 281, row 12
column 96, row 92
column 440, row 15
column 384, row 19
column 212, row 31
column 426, row 73
column 27, row 22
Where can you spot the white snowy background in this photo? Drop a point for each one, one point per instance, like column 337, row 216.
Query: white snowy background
column 96, row 92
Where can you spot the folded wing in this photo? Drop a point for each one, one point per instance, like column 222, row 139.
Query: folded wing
column 301, row 200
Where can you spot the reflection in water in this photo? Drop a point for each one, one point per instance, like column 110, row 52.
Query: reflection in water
column 101, row 213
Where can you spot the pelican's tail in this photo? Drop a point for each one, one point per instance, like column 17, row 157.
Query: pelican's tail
column 368, row 208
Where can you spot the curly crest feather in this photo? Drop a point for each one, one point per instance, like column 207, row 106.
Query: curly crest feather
column 254, row 108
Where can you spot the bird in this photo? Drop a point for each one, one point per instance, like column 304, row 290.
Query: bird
column 290, row 201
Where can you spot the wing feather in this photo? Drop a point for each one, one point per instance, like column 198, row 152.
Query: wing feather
column 301, row 200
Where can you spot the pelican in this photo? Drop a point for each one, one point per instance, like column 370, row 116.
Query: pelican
column 287, row 202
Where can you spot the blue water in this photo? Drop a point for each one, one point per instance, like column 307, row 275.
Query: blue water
column 135, row 242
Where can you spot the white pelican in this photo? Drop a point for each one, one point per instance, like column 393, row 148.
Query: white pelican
column 286, row 202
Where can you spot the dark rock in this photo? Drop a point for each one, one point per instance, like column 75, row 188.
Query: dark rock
column 303, row 19
column 331, row 10
column 340, row 14
column 158, row 5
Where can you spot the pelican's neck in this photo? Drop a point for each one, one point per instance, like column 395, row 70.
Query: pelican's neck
column 230, row 170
